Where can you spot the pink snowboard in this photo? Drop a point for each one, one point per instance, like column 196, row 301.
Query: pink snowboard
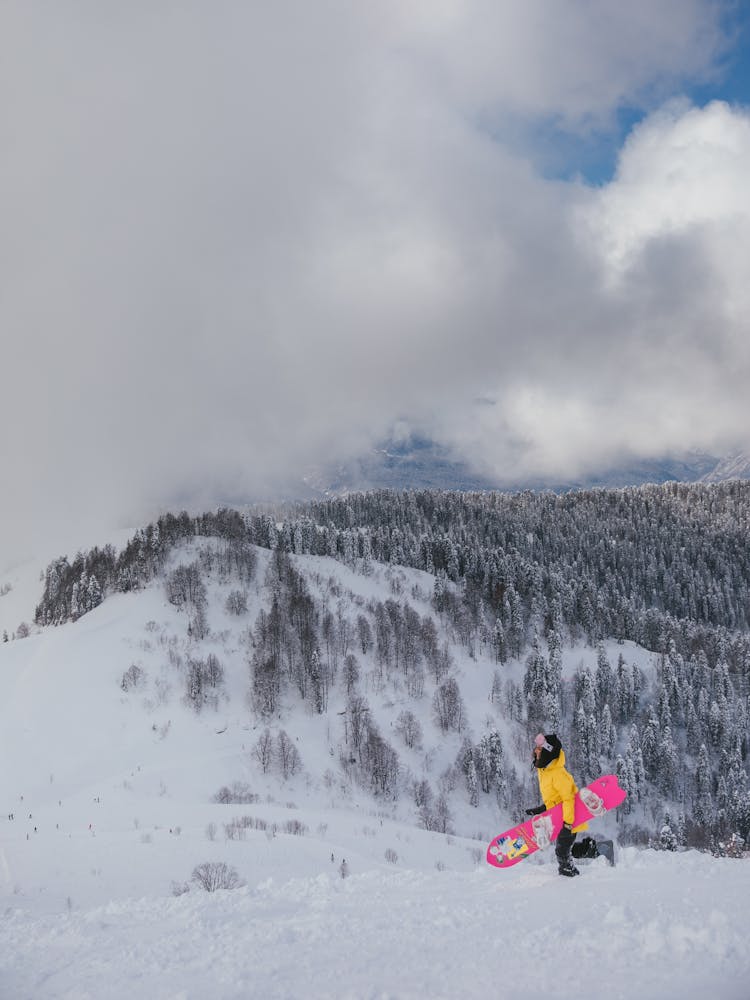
column 539, row 831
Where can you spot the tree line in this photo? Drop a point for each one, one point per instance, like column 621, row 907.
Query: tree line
column 514, row 576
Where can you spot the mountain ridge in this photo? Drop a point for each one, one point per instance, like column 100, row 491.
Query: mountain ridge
column 418, row 462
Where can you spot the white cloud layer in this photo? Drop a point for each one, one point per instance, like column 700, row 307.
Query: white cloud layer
column 240, row 239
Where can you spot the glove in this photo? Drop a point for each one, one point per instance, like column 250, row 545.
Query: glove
column 567, row 826
column 536, row 811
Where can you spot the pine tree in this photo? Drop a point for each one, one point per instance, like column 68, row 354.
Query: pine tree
column 702, row 802
column 586, row 744
column 694, row 730
column 489, row 756
column 497, row 688
column 498, row 639
column 668, row 764
column 607, row 734
column 472, row 782
column 585, row 690
column 668, row 840
column 650, row 741
column 665, row 710
column 715, row 724
column 535, row 685
column 515, row 631
column 625, row 780
column 604, row 677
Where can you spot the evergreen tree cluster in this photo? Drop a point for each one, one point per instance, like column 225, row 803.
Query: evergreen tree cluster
column 652, row 564
column 515, row 577
column 639, row 564
column 73, row 588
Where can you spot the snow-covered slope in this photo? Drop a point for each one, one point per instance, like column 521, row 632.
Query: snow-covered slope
column 734, row 466
column 111, row 795
column 656, row 927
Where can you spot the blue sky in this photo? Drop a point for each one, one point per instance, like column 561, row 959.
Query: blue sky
column 593, row 156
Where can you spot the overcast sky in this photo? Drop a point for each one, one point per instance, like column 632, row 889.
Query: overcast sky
column 241, row 238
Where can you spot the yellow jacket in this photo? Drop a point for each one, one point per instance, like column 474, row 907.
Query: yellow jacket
column 556, row 785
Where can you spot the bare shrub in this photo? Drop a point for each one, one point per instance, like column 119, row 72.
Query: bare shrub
column 449, row 779
column 351, row 673
column 213, row 875
column 391, row 856
column 415, row 683
column 204, row 678
column 238, row 793
column 379, row 763
column 185, row 586
column 131, row 678
column 448, row 706
column 263, row 750
column 235, row 830
column 287, row 754
column 295, row 827
column 236, row 603
column 175, row 660
column 422, row 792
column 409, row 728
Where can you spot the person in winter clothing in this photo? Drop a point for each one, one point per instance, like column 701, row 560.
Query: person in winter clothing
column 556, row 786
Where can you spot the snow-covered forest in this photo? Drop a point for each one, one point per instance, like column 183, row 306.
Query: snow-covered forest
column 321, row 714
column 508, row 579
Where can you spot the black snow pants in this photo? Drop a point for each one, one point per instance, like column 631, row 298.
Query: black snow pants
column 563, row 844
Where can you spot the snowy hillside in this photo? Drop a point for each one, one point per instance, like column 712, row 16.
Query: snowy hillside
column 133, row 744
column 734, row 466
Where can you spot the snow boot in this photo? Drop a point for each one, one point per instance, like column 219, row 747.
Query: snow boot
column 565, row 841
column 568, row 868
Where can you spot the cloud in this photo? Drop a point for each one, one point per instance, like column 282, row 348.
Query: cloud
column 239, row 240
column 646, row 352
column 682, row 170
column 573, row 61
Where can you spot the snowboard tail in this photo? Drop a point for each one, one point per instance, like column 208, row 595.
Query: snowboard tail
column 540, row 831
column 606, row 850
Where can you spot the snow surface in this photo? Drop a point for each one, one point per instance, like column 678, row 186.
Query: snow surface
column 654, row 927
column 111, row 794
